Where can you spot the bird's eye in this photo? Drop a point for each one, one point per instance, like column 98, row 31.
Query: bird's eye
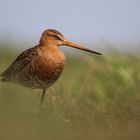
column 56, row 37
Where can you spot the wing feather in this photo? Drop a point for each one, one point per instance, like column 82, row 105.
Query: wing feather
column 19, row 64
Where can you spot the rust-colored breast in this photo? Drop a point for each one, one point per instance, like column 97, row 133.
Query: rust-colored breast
column 48, row 67
column 37, row 67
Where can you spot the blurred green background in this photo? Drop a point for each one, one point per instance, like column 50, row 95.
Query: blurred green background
column 97, row 97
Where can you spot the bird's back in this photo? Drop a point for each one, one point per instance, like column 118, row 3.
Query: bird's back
column 13, row 72
column 35, row 68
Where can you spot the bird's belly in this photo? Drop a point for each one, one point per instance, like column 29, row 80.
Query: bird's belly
column 48, row 76
column 50, row 68
column 41, row 78
column 42, row 71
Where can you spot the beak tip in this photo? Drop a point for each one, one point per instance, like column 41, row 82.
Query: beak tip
column 78, row 47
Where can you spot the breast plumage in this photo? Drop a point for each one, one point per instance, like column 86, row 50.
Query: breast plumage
column 48, row 69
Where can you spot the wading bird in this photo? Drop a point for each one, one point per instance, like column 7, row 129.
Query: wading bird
column 39, row 67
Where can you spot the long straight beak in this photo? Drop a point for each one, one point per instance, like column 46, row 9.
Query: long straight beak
column 70, row 44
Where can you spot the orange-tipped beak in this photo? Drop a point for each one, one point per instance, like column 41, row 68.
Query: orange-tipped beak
column 79, row 47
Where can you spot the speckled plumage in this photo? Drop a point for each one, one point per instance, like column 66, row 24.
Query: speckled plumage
column 40, row 66
column 35, row 68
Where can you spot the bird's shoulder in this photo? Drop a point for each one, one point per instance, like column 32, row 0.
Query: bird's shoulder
column 21, row 61
column 27, row 54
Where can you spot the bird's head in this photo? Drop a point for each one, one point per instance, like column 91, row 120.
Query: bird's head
column 52, row 37
column 55, row 38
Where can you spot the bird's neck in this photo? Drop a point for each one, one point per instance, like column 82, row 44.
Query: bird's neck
column 49, row 46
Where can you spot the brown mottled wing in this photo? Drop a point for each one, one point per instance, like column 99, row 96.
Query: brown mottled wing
column 19, row 64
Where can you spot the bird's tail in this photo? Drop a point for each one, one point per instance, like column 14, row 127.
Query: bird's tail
column 0, row 76
column 3, row 79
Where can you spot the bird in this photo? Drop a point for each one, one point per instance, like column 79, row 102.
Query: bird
column 40, row 66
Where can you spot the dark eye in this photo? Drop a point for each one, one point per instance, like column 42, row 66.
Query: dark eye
column 56, row 37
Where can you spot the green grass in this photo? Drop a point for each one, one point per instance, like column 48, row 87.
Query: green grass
column 96, row 98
